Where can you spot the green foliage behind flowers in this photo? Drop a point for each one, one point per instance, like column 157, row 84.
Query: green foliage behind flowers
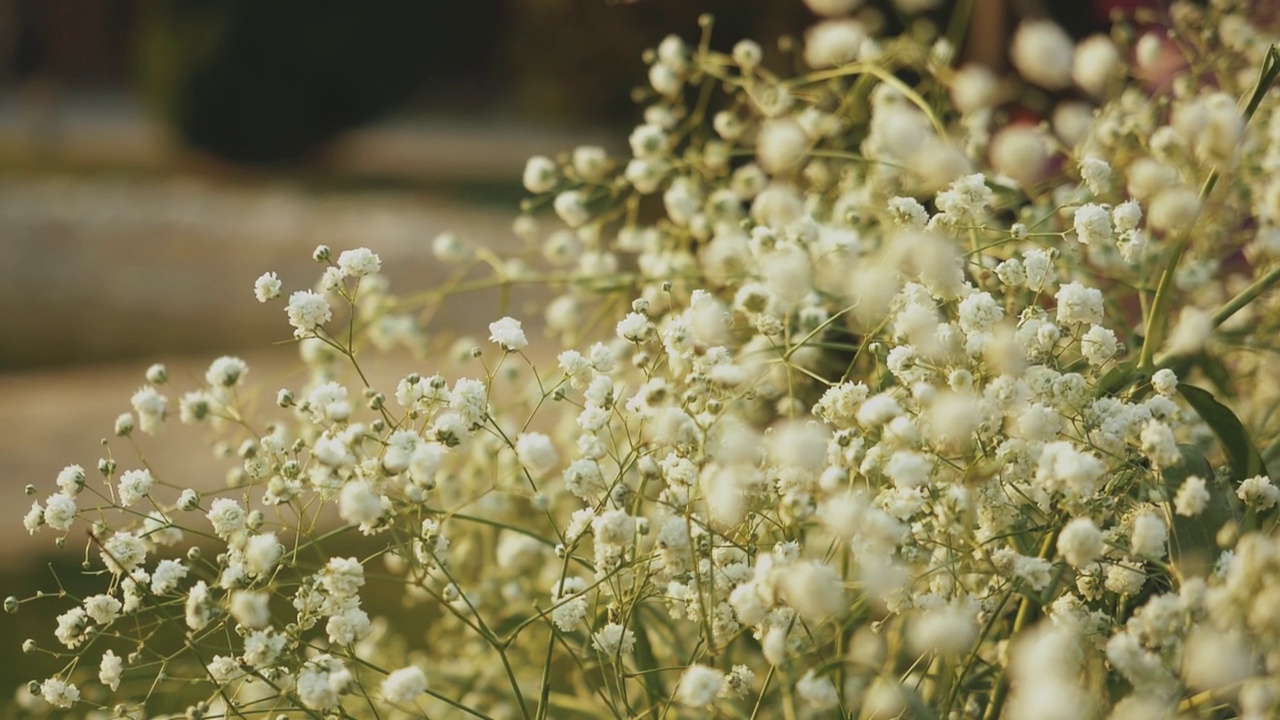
column 870, row 402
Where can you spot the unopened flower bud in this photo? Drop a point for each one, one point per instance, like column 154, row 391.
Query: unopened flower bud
column 157, row 374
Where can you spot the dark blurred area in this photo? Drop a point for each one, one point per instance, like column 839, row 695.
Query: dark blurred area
column 270, row 82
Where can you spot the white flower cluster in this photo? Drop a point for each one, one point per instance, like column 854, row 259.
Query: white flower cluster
column 884, row 406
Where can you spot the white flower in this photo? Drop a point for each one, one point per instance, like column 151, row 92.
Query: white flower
column 814, row 590
column 71, row 480
column 250, row 608
column 320, row 682
column 571, row 206
column 539, row 174
column 329, row 401
column 267, row 287
column 1192, row 498
column 1093, row 224
column 818, row 692
column 537, row 453
column 342, row 577
column 508, row 333
column 71, row 627
column 979, row 313
column 1080, row 542
column 226, row 372
column 403, row 686
column 359, row 262
column 1042, row 53
column 151, row 407
column 227, row 517
column 1096, row 60
column 1148, row 536
column 699, row 686
column 908, row 469
column 748, row 54
column 110, row 669
column 59, row 511
column 1096, row 174
column 360, row 505
column 589, row 161
column 634, row 327
column 134, row 485
column 833, row 8
column 966, row 198
column 348, row 627
column 307, row 311
column 1079, row 304
column 59, row 693
column 613, row 640
column 197, row 607
column 34, row 519
column 973, row 88
column 1159, row 444
column 102, row 608
column 1258, row 493
column 123, row 551
column 261, row 553
column 831, row 43
column 167, row 576
column 1098, row 345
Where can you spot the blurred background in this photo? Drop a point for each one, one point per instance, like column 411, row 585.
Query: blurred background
column 156, row 156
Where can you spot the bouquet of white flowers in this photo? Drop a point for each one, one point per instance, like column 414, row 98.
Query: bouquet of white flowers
column 873, row 400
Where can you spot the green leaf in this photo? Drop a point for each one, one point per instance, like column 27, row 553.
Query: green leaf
column 1117, row 378
column 1194, row 540
column 1217, row 372
column 1236, row 443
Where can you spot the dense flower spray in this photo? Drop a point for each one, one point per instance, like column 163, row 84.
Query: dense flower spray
column 871, row 400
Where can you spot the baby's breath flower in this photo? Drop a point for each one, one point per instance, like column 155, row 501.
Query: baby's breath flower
column 151, row 408
column 613, row 640
column 267, row 287
column 404, row 686
column 134, row 485
column 1042, row 53
column 59, row 693
column 59, row 511
column 360, row 262
column 1093, row 225
column 508, row 333
column 1080, row 542
column 226, row 372
column 307, row 311
column 699, row 686
column 1257, row 492
column 833, row 42
column 110, row 669
column 1192, row 497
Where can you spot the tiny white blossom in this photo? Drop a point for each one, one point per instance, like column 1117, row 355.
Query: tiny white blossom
column 404, row 686
column 109, row 670
column 699, row 686
column 226, row 372
column 1192, row 497
column 508, row 333
column 359, row 262
column 134, row 485
column 59, row 693
column 614, row 639
column 307, row 311
column 539, row 174
column 267, row 287
column 1258, row 492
